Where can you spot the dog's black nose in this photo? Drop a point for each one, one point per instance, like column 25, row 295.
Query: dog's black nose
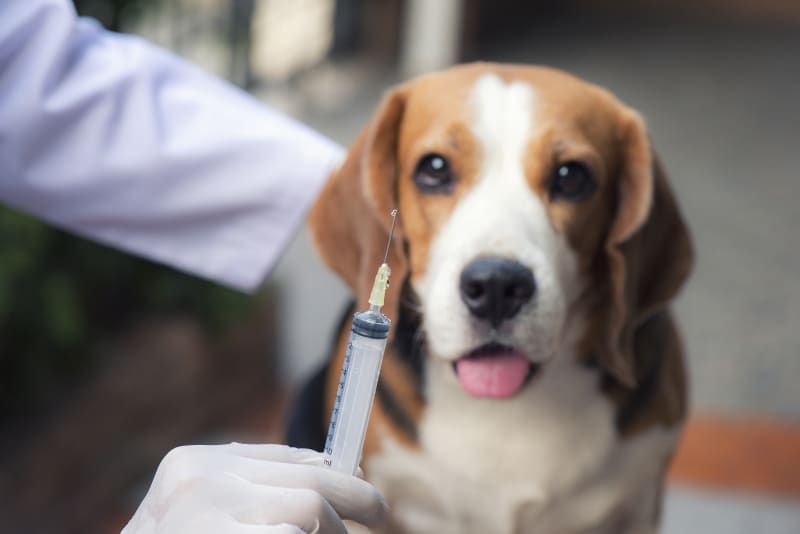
column 496, row 288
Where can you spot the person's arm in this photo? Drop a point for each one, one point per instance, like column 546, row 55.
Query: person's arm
column 120, row 141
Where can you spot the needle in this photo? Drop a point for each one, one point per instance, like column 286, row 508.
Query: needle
column 391, row 233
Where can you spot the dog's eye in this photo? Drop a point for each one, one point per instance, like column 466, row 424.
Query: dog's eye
column 433, row 174
column 572, row 181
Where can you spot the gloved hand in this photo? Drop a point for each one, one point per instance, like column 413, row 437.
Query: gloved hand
column 238, row 488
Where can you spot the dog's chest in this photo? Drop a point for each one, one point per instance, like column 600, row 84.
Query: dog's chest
column 548, row 460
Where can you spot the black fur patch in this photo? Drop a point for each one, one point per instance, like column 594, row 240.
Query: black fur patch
column 649, row 349
column 409, row 340
column 408, row 346
column 305, row 426
column 307, row 423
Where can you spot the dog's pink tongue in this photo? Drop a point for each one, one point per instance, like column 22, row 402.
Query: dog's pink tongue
column 497, row 375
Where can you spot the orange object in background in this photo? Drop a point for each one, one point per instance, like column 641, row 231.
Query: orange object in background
column 759, row 455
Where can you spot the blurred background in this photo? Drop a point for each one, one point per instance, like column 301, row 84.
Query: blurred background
column 108, row 361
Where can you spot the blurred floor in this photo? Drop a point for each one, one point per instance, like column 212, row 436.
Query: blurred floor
column 690, row 511
column 721, row 105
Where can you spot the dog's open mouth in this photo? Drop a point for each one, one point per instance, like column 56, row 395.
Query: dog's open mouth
column 494, row 371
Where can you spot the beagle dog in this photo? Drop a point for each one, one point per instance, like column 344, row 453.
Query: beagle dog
column 534, row 380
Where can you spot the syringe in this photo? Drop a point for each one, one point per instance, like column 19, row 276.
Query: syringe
column 359, row 378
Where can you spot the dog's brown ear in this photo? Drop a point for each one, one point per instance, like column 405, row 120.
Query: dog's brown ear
column 350, row 220
column 648, row 249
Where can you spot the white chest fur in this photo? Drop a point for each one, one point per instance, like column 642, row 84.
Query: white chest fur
column 548, row 460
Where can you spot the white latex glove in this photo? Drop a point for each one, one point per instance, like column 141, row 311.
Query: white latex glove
column 238, row 488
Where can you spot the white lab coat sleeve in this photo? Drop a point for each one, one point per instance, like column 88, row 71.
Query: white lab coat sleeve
column 120, row 141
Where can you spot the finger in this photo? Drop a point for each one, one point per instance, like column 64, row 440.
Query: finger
column 228, row 503
column 283, row 528
column 243, row 528
column 304, row 508
column 276, row 453
column 351, row 497
column 218, row 523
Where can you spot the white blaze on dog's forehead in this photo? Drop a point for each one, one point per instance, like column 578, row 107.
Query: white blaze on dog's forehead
column 503, row 121
column 502, row 116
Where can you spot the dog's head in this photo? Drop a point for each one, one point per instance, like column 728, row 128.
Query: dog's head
column 533, row 218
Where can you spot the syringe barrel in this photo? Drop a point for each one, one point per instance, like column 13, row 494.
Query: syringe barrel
column 356, row 390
